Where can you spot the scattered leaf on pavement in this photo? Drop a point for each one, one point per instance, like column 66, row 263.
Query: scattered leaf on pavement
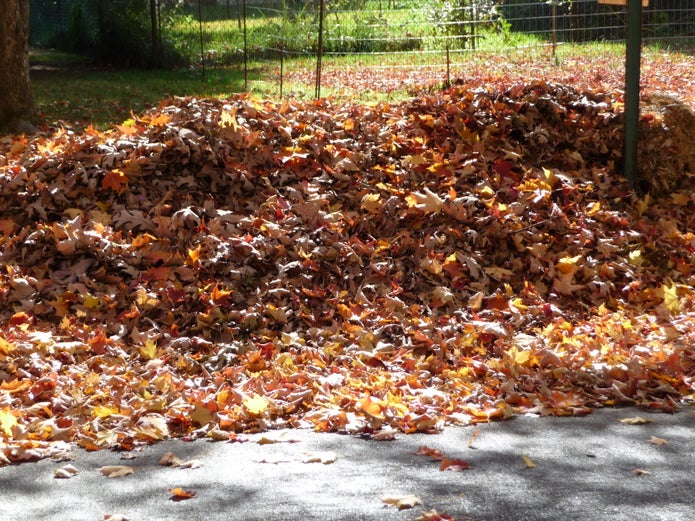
column 454, row 465
column 528, row 461
column 116, row 471
column 325, row 457
column 433, row 515
column 636, row 420
column 402, row 502
column 658, row 441
column 66, row 471
column 180, row 494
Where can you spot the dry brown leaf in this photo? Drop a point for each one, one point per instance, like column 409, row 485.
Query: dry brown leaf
column 116, row 471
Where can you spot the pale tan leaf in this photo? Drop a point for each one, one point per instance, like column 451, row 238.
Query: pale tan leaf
column 402, row 502
column 116, row 471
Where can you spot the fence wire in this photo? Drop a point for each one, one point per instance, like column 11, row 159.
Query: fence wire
column 347, row 34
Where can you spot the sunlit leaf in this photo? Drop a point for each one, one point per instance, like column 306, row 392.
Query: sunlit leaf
column 402, row 502
column 7, row 421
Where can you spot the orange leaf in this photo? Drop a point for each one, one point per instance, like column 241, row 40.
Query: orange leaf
column 371, row 406
column 178, row 494
column 432, row 453
column 456, row 465
column 115, row 180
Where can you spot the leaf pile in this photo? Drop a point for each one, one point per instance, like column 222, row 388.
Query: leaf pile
column 240, row 265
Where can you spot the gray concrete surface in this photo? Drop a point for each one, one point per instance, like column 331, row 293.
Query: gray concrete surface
column 585, row 471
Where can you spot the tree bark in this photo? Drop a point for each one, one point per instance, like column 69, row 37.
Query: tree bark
column 16, row 101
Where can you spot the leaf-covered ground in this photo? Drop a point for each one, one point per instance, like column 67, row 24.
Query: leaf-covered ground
column 241, row 265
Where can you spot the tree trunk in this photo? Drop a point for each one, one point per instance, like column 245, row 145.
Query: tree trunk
column 16, row 102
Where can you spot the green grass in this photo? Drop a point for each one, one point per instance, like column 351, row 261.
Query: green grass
column 77, row 97
column 67, row 92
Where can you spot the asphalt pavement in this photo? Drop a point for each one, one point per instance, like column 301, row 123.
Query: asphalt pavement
column 595, row 467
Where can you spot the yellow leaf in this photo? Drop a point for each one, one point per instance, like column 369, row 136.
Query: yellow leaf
column 103, row 411
column 202, row 415
column 593, row 208
column 529, row 463
column 568, row 264
column 635, row 257
column 6, row 347
column 256, row 404
column 149, row 350
column 371, row 203
column 658, row 441
column 671, row 300
column 90, row 301
column 7, row 421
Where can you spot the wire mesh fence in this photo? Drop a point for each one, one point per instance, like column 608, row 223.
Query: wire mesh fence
column 349, row 34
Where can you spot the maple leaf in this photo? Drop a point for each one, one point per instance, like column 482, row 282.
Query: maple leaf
column 256, row 404
column 8, row 421
column 115, row 180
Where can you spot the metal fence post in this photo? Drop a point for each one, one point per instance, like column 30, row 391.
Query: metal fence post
column 632, row 79
column 246, row 48
column 202, row 47
column 319, row 52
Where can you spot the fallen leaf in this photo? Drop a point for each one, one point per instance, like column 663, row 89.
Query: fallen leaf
column 402, row 502
column 641, row 472
column 636, row 420
column 116, row 471
column 658, row 441
column 7, row 421
column 430, row 452
column 473, row 437
column 433, row 515
column 170, row 459
column 325, row 457
column 180, row 494
column 256, row 404
column 456, row 465
column 529, row 463
column 65, row 472
column 384, row 435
